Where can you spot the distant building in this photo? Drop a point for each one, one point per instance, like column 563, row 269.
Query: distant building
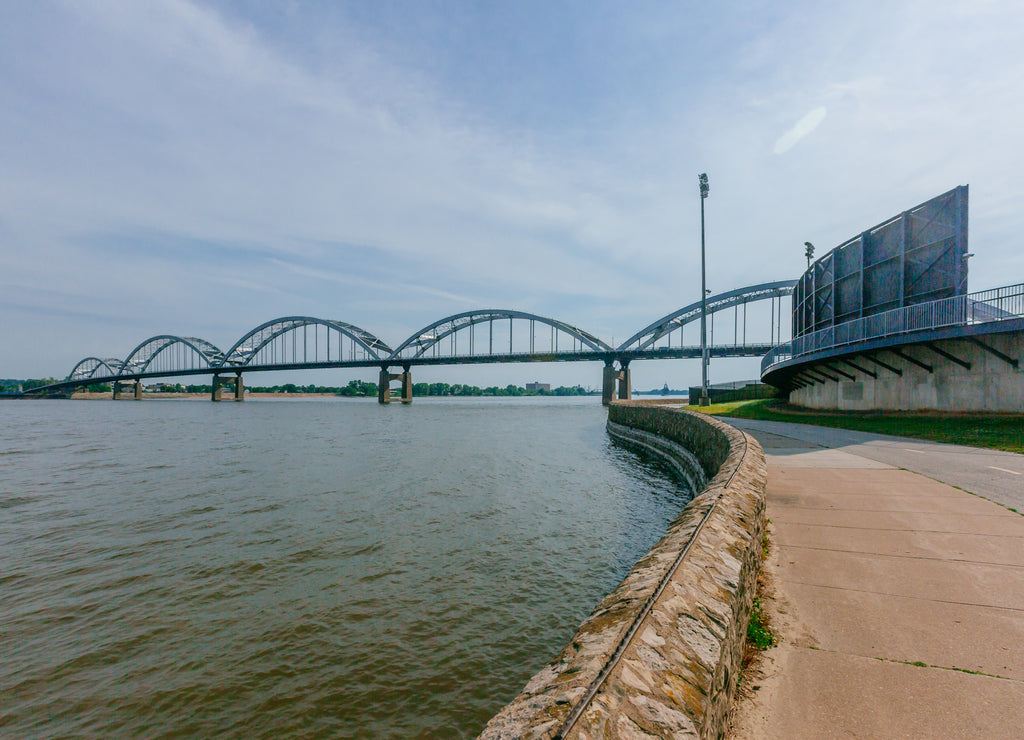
column 538, row 386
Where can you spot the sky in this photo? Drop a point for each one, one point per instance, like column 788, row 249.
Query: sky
column 198, row 168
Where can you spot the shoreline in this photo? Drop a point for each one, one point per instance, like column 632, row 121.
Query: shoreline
column 108, row 396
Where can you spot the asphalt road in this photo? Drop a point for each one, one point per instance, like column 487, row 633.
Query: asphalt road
column 992, row 474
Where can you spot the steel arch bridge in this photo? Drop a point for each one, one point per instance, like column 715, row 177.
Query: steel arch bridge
column 166, row 353
column 96, row 368
column 666, row 325
column 428, row 343
column 249, row 350
column 471, row 337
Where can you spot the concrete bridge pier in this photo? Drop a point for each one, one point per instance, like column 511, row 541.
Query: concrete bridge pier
column 120, row 387
column 384, row 384
column 406, row 378
column 217, row 394
column 610, row 377
column 625, row 388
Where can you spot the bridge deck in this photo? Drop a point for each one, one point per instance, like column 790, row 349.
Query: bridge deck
column 662, row 353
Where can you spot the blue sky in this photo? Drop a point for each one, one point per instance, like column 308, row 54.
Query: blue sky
column 201, row 167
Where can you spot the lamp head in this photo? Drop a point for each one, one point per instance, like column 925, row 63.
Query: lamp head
column 703, row 180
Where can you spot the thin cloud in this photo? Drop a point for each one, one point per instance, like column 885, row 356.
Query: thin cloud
column 803, row 128
column 266, row 162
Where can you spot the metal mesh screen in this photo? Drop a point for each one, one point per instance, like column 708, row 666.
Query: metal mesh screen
column 917, row 256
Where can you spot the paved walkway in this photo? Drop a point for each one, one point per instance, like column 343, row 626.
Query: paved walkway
column 899, row 598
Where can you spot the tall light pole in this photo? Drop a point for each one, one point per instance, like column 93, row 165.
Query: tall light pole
column 704, row 400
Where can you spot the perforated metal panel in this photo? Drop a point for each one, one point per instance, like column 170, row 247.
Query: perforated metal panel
column 917, row 256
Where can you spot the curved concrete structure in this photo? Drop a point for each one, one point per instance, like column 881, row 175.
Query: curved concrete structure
column 660, row 655
column 960, row 354
column 966, row 373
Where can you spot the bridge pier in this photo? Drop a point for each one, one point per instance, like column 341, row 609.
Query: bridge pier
column 406, row 377
column 120, row 387
column 610, row 378
column 384, row 385
column 625, row 389
column 217, row 394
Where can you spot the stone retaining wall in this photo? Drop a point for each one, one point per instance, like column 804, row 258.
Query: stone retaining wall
column 660, row 655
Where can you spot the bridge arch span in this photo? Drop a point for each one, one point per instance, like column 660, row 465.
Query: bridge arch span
column 430, row 337
column 140, row 359
column 96, row 367
column 249, row 346
column 650, row 334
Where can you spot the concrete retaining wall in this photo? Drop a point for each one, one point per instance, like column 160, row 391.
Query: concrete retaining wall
column 660, row 655
column 990, row 384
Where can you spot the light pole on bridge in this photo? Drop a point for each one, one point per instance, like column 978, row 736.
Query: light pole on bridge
column 704, row 401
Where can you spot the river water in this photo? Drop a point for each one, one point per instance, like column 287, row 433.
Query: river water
column 303, row 568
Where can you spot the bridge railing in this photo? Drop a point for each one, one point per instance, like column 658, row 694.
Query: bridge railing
column 997, row 304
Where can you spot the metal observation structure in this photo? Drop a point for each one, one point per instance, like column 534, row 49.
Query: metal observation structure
column 885, row 320
column 472, row 337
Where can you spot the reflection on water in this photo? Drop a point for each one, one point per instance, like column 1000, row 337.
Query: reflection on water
column 315, row 568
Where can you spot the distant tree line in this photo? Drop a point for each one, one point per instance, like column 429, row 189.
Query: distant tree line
column 457, row 389
column 37, row 383
column 361, row 389
column 355, row 388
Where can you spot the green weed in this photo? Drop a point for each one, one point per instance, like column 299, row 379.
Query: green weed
column 759, row 633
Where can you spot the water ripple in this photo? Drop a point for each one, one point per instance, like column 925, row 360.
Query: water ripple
column 318, row 569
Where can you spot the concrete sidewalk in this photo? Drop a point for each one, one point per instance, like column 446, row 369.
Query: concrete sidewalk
column 899, row 601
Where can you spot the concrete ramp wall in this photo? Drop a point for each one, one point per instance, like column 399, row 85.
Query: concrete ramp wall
column 971, row 374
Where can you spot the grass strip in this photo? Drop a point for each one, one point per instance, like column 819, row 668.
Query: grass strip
column 992, row 431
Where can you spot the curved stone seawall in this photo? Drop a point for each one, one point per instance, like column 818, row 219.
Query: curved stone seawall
column 660, row 655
